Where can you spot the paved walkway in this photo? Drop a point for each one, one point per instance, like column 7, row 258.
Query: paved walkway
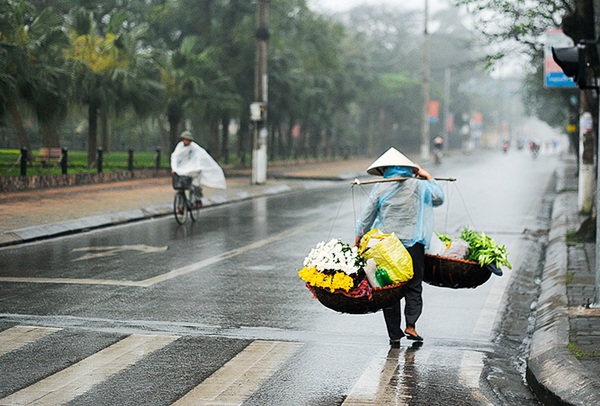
column 565, row 326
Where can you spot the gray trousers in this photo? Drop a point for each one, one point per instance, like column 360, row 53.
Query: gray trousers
column 413, row 298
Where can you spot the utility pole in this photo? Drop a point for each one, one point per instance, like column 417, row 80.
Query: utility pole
column 258, row 109
column 596, row 303
column 446, row 113
column 426, row 75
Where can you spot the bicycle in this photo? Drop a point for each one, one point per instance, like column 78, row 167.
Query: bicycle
column 182, row 204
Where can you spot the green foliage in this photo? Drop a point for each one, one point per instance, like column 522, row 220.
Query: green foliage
column 355, row 79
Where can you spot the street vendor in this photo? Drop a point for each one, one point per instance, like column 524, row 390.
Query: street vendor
column 404, row 207
column 190, row 159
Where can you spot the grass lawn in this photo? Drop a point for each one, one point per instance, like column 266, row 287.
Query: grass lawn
column 10, row 162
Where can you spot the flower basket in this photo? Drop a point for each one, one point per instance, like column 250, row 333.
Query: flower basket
column 454, row 273
column 334, row 272
column 380, row 298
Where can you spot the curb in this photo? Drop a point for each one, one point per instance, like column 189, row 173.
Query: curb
column 553, row 373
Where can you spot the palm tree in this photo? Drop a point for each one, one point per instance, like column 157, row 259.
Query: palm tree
column 95, row 58
column 113, row 72
column 49, row 85
column 11, row 34
column 184, row 73
column 34, row 71
column 137, row 84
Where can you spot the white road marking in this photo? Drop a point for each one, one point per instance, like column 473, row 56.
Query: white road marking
column 174, row 273
column 239, row 378
column 66, row 385
column 491, row 309
column 109, row 251
column 19, row 336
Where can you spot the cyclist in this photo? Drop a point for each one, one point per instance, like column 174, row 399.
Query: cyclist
column 190, row 159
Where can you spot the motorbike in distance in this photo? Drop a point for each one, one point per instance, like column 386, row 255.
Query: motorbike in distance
column 534, row 147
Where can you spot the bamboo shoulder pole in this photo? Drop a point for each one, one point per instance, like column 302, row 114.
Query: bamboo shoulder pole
column 366, row 182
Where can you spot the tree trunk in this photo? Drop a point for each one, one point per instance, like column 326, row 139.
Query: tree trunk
column 18, row 121
column 49, row 133
column 213, row 138
column 105, row 136
column 174, row 116
column 225, row 139
column 162, row 130
column 92, row 132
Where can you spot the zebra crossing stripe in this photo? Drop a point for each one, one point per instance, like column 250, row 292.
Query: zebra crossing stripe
column 71, row 382
column 19, row 336
column 240, row 377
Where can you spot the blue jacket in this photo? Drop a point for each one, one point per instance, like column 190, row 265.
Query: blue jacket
column 404, row 207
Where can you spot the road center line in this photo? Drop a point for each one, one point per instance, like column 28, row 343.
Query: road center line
column 240, row 377
column 66, row 385
column 176, row 272
column 19, row 336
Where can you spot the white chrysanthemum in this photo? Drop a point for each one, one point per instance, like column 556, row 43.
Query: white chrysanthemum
column 334, row 256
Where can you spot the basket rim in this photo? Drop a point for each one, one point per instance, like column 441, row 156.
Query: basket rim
column 378, row 288
column 466, row 261
column 395, row 285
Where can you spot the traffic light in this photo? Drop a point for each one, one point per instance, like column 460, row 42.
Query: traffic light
column 573, row 62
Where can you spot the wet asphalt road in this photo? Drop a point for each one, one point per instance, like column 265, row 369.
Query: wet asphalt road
column 201, row 305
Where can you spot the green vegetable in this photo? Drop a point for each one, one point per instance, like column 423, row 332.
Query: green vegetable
column 484, row 249
column 444, row 237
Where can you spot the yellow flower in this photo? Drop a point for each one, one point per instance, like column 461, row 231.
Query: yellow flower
column 339, row 280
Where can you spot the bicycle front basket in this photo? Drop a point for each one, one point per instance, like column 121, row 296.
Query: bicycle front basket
column 181, row 182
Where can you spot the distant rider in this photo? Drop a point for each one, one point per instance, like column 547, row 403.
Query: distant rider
column 190, row 159
column 438, row 146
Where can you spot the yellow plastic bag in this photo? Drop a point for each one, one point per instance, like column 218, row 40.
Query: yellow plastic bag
column 388, row 253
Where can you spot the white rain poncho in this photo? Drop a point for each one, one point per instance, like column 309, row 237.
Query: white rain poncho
column 194, row 161
column 404, row 207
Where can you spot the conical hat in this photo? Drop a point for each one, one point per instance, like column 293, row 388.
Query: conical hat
column 392, row 157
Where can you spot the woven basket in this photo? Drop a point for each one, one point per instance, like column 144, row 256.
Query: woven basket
column 382, row 297
column 453, row 272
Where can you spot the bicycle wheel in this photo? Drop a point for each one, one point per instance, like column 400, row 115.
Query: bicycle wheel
column 180, row 207
column 194, row 210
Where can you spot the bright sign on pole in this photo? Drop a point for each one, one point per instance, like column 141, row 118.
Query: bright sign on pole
column 553, row 74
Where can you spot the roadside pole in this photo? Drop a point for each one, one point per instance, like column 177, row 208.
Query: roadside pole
column 258, row 109
column 596, row 303
column 426, row 73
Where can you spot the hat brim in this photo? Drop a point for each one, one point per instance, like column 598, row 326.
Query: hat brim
column 186, row 135
column 392, row 157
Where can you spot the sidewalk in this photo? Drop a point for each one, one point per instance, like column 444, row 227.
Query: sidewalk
column 567, row 286
column 565, row 325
